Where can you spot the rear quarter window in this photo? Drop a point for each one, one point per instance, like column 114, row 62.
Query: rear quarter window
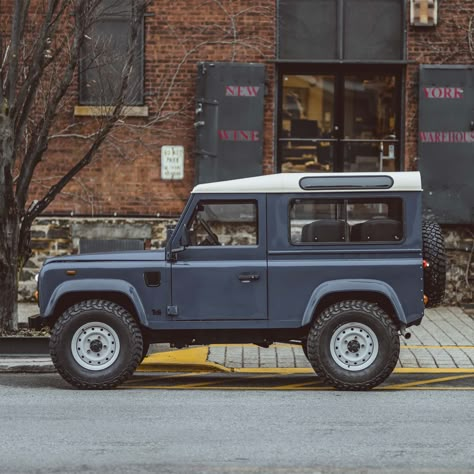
column 316, row 221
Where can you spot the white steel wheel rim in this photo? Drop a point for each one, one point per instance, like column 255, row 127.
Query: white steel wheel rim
column 95, row 346
column 354, row 346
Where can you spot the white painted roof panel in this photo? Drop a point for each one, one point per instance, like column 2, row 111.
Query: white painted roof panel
column 290, row 183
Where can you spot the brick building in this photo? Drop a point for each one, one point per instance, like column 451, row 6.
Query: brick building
column 242, row 87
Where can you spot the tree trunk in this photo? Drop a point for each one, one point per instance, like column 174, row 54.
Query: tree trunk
column 9, row 230
column 9, row 275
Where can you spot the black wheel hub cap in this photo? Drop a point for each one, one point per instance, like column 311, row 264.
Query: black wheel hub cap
column 353, row 346
column 96, row 345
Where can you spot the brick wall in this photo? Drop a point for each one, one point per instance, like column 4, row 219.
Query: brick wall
column 124, row 179
column 446, row 43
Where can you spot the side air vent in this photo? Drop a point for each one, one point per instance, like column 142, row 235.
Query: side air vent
column 113, row 245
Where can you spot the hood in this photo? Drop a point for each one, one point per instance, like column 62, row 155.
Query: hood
column 134, row 256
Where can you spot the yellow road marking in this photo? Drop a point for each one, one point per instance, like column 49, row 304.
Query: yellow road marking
column 286, row 388
column 436, row 347
column 242, row 388
column 215, row 382
column 274, row 370
column 168, row 376
column 308, row 385
column 197, row 385
column 432, row 370
column 426, row 382
column 430, row 389
column 295, row 386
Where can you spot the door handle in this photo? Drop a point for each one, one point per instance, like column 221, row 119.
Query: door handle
column 248, row 277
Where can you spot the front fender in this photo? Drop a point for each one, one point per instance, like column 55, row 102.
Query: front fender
column 352, row 285
column 96, row 286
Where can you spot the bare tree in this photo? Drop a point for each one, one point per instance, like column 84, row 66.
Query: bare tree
column 46, row 44
column 41, row 48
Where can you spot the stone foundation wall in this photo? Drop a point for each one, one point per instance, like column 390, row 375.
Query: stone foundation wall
column 51, row 237
column 459, row 242
column 61, row 236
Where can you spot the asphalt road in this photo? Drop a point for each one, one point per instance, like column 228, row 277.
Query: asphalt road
column 46, row 426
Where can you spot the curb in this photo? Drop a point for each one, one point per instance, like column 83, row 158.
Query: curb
column 24, row 346
column 184, row 360
column 192, row 360
column 26, row 366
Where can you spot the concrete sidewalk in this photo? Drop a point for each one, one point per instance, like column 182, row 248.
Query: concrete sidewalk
column 444, row 340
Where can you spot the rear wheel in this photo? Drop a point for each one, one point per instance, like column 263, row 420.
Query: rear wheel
column 96, row 344
column 353, row 345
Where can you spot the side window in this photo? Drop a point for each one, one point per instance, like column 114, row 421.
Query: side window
column 224, row 223
column 314, row 221
column 375, row 220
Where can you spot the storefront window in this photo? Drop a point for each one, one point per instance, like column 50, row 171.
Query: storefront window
column 370, row 137
column 346, row 121
column 307, row 123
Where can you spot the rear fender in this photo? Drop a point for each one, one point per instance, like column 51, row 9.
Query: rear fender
column 352, row 285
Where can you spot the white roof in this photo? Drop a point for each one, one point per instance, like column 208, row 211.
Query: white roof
column 290, row 183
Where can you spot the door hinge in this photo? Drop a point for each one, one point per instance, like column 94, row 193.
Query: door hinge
column 172, row 311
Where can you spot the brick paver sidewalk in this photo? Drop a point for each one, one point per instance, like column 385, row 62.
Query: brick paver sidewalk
column 445, row 339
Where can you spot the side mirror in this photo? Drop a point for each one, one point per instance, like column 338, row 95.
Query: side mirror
column 169, row 232
column 185, row 240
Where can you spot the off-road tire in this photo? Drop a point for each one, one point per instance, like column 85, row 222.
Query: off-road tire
column 304, row 346
column 355, row 312
column 434, row 276
column 146, row 347
column 101, row 312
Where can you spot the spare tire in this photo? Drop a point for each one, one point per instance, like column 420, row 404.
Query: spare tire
column 434, row 274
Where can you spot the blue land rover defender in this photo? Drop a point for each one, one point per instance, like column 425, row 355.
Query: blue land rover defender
column 340, row 263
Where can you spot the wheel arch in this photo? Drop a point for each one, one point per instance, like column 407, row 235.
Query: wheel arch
column 116, row 291
column 374, row 291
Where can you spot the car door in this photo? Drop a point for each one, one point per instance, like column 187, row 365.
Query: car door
column 221, row 274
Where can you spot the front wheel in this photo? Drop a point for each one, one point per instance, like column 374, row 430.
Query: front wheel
column 96, row 344
column 353, row 345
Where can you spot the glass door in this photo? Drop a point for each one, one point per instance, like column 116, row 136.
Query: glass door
column 345, row 121
column 370, row 142
column 307, row 140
